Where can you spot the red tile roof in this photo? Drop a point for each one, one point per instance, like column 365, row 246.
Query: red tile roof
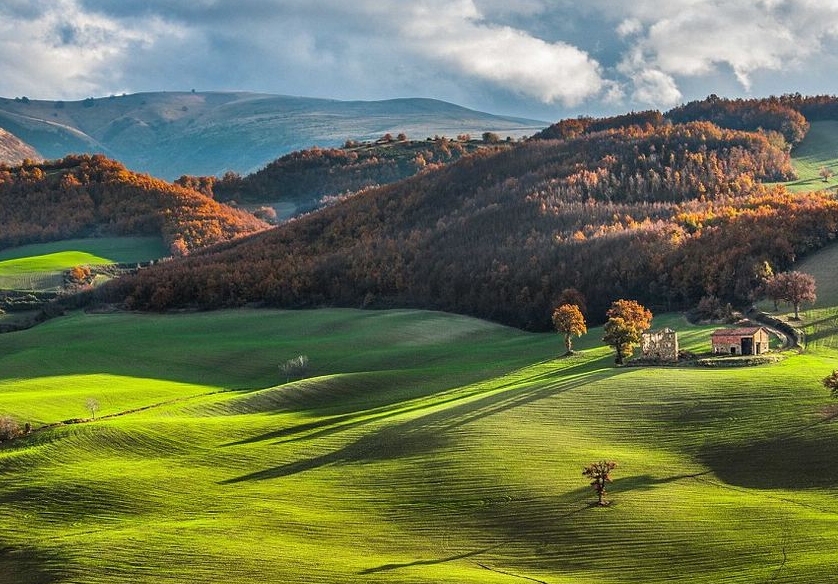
column 737, row 332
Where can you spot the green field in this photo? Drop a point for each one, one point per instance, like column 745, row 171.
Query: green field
column 40, row 266
column 818, row 149
column 423, row 447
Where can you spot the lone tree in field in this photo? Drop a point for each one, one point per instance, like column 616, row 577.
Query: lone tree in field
column 831, row 383
column 569, row 321
column 627, row 320
column 92, row 406
column 794, row 288
column 600, row 475
column 825, row 173
column 296, row 367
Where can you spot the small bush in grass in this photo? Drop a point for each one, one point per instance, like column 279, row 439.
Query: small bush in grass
column 831, row 383
column 296, row 367
column 8, row 428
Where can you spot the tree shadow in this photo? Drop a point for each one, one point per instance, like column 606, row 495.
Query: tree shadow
column 432, row 430
column 432, row 562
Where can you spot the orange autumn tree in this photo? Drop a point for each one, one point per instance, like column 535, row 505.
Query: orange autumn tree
column 627, row 320
column 569, row 321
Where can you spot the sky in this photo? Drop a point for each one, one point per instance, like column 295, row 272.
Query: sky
column 542, row 59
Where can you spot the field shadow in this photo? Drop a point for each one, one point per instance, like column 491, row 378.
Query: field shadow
column 796, row 461
column 430, row 431
column 32, row 565
column 432, row 562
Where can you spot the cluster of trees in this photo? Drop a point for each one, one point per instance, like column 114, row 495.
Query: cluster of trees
column 575, row 127
column 83, row 195
column 627, row 321
column 306, row 176
column 788, row 115
column 773, row 114
column 665, row 214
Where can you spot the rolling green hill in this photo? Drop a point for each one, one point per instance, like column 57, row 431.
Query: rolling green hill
column 818, row 149
column 40, row 266
column 422, row 447
column 207, row 133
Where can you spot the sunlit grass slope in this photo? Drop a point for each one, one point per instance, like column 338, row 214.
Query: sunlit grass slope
column 818, row 149
column 39, row 266
column 423, row 447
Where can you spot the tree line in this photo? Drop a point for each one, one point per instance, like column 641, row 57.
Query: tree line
column 666, row 214
column 80, row 196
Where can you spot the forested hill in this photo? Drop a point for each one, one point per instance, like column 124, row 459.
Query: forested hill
column 13, row 150
column 309, row 178
column 80, row 196
column 169, row 134
column 666, row 213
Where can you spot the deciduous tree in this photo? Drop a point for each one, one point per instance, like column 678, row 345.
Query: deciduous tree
column 296, row 367
column 600, row 475
column 92, row 406
column 627, row 320
column 794, row 288
column 831, row 383
column 569, row 321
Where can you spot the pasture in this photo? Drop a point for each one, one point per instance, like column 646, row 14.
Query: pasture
column 421, row 447
column 40, row 266
column 818, row 149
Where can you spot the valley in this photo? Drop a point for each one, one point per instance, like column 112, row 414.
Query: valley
column 438, row 448
column 170, row 442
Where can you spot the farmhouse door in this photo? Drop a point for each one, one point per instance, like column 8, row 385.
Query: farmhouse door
column 747, row 346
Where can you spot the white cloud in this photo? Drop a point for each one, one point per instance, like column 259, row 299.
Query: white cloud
column 693, row 38
column 559, row 53
column 630, row 26
column 455, row 34
column 61, row 50
column 656, row 88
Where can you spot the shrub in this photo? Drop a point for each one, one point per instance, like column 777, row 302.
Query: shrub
column 8, row 428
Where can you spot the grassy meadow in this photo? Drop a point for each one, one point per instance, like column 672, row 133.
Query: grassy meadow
column 40, row 266
column 422, row 447
column 818, row 149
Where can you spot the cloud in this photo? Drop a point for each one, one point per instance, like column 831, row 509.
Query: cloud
column 655, row 88
column 693, row 38
column 453, row 34
column 544, row 58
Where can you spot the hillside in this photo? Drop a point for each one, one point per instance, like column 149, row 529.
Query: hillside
column 169, row 133
column 83, row 196
column 13, row 150
column 419, row 447
column 310, row 178
column 664, row 214
column 819, row 149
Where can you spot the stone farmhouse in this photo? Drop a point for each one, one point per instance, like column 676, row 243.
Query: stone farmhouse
column 741, row 341
column 660, row 345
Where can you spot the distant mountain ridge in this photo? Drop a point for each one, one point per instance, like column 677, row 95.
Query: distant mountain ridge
column 13, row 150
column 169, row 134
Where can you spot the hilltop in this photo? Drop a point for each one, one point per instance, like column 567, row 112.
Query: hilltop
column 13, row 150
column 667, row 213
column 82, row 196
column 208, row 133
column 307, row 179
